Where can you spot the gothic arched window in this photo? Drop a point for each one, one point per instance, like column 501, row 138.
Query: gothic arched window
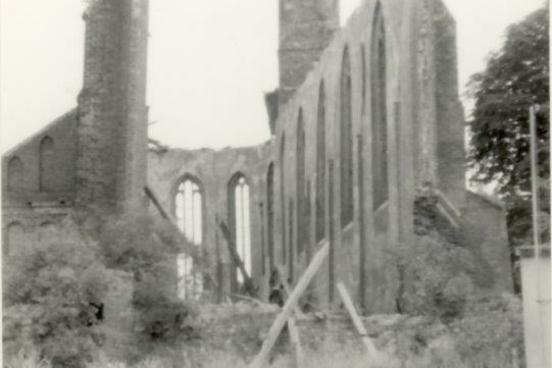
column 321, row 165
column 270, row 213
column 283, row 196
column 47, row 175
column 301, row 190
column 346, row 140
column 241, row 221
column 15, row 238
column 379, row 112
column 15, row 174
column 188, row 208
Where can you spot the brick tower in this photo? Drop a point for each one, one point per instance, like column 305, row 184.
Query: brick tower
column 112, row 122
column 306, row 29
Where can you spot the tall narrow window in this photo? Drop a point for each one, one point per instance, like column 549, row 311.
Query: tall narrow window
column 301, row 194
column 379, row 112
column 270, row 213
column 15, row 174
column 189, row 218
column 241, row 223
column 346, row 141
column 321, row 165
column 47, row 175
column 363, row 73
column 15, row 238
column 283, row 196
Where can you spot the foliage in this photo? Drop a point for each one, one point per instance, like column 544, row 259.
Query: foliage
column 491, row 328
column 53, row 293
column 434, row 277
column 148, row 249
column 516, row 77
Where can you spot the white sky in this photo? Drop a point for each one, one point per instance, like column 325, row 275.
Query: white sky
column 209, row 63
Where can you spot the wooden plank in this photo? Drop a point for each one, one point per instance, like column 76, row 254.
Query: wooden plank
column 189, row 250
column 295, row 342
column 372, row 351
column 261, row 359
column 287, row 289
column 249, row 287
column 157, row 204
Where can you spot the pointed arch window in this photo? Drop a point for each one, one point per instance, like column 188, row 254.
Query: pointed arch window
column 346, row 141
column 301, row 190
column 270, row 213
column 241, row 221
column 47, row 173
column 15, row 238
column 379, row 112
column 15, row 174
column 321, row 165
column 189, row 218
column 283, row 196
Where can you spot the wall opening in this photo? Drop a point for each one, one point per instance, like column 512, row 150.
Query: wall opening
column 270, row 214
column 240, row 222
column 301, row 190
column 15, row 238
column 290, row 240
column 189, row 218
column 346, row 141
column 331, row 232
column 361, row 224
column 283, row 196
column 321, row 165
column 47, row 169
column 15, row 174
column 363, row 74
column 379, row 112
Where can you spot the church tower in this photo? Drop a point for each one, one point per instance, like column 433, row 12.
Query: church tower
column 112, row 120
column 306, row 29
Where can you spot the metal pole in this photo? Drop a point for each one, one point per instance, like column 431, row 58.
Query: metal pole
column 534, row 178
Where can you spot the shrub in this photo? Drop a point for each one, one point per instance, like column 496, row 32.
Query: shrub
column 53, row 293
column 147, row 248
column 434, row 277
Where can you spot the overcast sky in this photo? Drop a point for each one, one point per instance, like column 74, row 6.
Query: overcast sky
column 209, row 63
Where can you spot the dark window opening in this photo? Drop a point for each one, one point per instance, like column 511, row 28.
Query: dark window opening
column 346, row 141
column 321, row 166
column 301, row 194
column 270, row 213
column 379, row 113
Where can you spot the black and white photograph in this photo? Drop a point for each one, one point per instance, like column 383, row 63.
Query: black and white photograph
column 275, row 183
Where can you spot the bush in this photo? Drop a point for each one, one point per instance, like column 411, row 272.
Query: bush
column 53, row 293
column 434, row 277
column 147, row 248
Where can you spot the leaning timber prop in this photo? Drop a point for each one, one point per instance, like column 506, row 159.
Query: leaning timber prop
column 261, row 359
column 191, row 251
column 248, row 285
column 366, row 340
column 295, row 342
column 287, row 289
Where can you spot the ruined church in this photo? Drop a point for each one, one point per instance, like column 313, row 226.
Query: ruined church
column 365, row 122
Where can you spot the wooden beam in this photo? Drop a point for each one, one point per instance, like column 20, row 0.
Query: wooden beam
column 287, row 289
column 157, row 204
column 261, row 359
column 249, row 287
column 295, row 342
column 348, row 302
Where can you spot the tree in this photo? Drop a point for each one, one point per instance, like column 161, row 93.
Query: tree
column 516, row 77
